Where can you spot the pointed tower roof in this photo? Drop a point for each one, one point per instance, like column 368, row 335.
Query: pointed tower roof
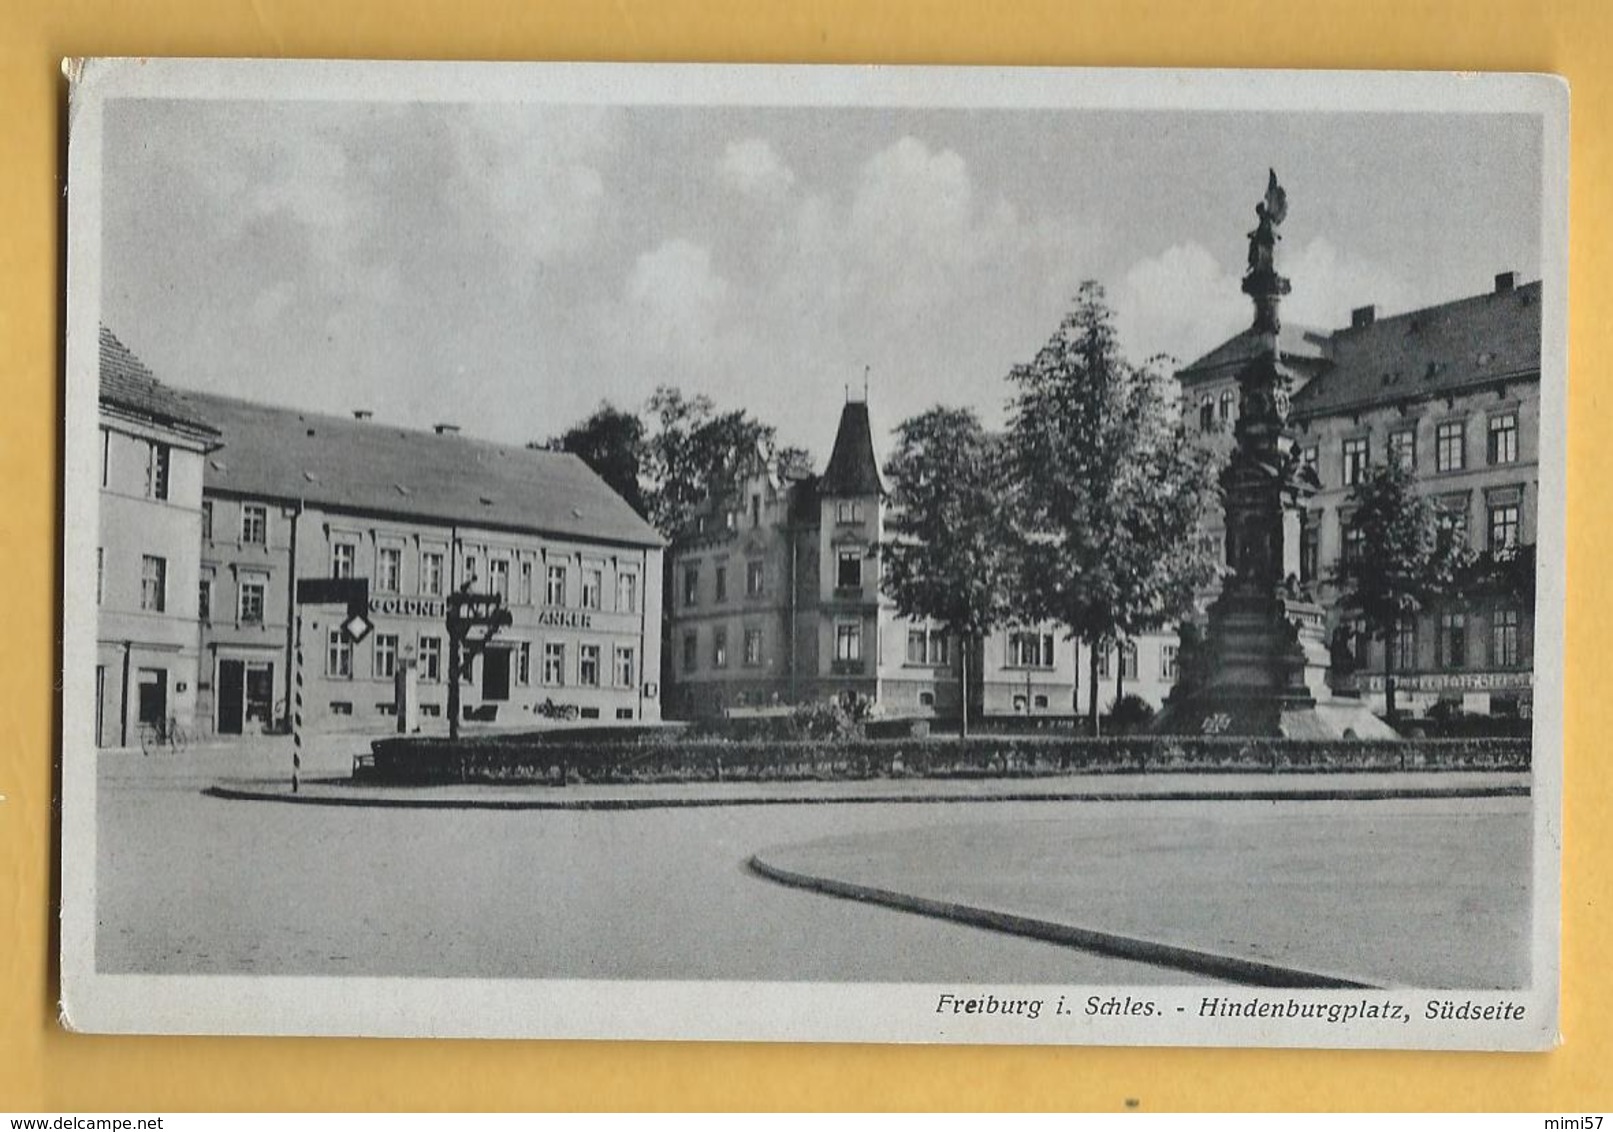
column 853, row 469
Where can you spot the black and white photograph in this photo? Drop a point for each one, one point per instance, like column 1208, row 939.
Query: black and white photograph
column 814, row 553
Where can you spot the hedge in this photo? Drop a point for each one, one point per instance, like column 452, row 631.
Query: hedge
column 527, row 759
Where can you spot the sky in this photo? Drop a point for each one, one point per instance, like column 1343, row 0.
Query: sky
column 509, row 267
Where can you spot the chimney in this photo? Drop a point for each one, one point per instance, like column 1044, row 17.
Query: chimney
column 363, row 414
column 1504, row 282
column 444, row 429
column 1363, row 316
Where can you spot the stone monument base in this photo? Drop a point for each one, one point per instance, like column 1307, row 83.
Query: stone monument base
column 1232, row 711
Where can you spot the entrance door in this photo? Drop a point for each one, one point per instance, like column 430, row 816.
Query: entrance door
column 153, row 698
column 229, row 696
column 260, row 694
column 496, row 675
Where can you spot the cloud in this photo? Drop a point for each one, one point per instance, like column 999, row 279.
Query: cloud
column 752, row 167
column 674, row 299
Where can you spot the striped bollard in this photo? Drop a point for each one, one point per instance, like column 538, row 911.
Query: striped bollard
column 296, row 710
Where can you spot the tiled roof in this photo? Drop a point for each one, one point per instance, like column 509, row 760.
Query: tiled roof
column 853, row 469
column 1293, row 342
column 369, row 467
column 130, row 386
column 1430, row 351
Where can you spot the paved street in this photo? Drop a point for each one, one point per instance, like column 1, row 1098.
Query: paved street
column 203, row 885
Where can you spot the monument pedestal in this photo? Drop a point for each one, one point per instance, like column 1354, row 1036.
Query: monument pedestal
column 1262, row 670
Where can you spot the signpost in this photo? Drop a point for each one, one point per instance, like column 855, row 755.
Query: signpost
column 354, row 593
column 467, row 611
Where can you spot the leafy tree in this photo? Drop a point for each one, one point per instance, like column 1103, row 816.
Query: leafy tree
column 611, row 442
column 1397, row 559
column 694, row 452
column 947, row 561
column 1109, row 488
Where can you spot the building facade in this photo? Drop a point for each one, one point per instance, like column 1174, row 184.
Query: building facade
column 419, row 516
column 153, row 443
column 1452, row 392
column 776, row 600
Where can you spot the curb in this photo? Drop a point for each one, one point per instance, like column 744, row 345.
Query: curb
column 249, row 794
column 1193, row 960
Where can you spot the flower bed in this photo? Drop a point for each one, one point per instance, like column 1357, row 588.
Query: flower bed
column 556, row 760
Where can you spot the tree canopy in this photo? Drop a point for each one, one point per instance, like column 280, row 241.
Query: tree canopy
column 947, row 559
column 1108, row 487
column 611, row 442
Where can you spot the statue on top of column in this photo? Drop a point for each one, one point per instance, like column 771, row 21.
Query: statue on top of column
column 1263, row 240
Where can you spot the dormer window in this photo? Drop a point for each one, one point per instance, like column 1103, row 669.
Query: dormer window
column 849, row 511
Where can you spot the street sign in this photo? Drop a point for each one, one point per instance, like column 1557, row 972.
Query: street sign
column 357, row 627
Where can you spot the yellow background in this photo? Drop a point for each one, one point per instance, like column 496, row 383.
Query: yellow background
column 42, row 1067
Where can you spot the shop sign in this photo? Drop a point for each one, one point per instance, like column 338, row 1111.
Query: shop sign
column 432, row 607
column 1451, row 681
column 566, row 619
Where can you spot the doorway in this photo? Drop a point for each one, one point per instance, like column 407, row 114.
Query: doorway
column 153, row 695
column 260, row 694
column 496, row 675
column 230, row 681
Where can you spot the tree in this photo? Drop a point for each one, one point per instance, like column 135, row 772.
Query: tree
column 1397, row 559
column 1109, row 489
column 947, row 562
column 611, row 442
column 694, row 452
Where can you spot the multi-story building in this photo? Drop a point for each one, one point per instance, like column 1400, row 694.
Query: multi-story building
column 420, row 515
column 777, row 600
column 1453, row 393
column 153, row 443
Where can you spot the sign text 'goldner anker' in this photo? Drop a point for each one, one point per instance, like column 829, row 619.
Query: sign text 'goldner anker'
column 437, row 608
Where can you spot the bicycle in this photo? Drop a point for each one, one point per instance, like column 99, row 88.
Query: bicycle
column 163, row 733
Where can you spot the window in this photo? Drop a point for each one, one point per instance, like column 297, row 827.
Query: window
column 849, row 641
column 1403, row 448
column 1503, row 445
column 691, row 651
column 691, row 585
column 523, row 663
column 624, row 713
column 554, row 586
column 473, row 573
column 593, row 587
column 153, row 583
column 1361, row 640
column 157, row 471
column 1039, row 701
column 431, row 572
column 204, row 601
column 207, row 518
column 1406, row 645
column 849, row 575
column 431, row 658
column 1167, row 662
column 100, row 573
column 1128, row 660
column 1030, row 649
column 753, row 648
column 1450, row 446
column 755, row 578
column 849, row 511
column 255, row 523
column 1310, row 547
column 1229, row 404
column 338, row 655
column 386, row 655
column 498, row 578
column 1453, row 640
column 627, row 592
column 1206, row 413
column 719, row 647
column 1503, row 528
column 1355, row 543
column 755, row 510
column 1504, row 650
column 1103, row 662
column 1311, row 457
column 626, row 666
column 927, row 647
column 341, row 559
column 388, row 569
column 249, row 608
column 526, row 583
column 1356, row 457
column 1451, row 516
column 721, row 585
column 554, row 663
column 926, row 699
